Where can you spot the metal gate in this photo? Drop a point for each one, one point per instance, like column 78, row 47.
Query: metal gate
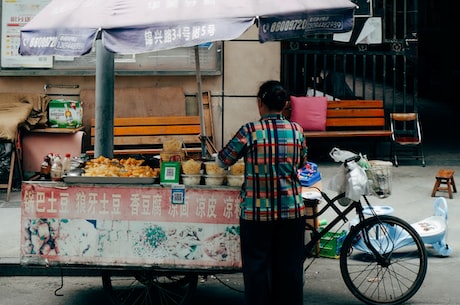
column 364, row 66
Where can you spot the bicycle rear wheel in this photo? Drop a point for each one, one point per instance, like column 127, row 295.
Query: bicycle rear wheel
column 383, row 260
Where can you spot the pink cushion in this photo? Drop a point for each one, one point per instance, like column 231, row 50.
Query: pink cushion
column 309, row 112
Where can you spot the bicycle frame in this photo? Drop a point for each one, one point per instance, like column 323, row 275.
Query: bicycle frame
column 341, row 216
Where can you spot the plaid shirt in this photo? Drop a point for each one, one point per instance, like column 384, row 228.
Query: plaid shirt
column 273, row 149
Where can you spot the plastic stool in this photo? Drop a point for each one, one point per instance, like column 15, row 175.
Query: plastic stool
column 444, row 177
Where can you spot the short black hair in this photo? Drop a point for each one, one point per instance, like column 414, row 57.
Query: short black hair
column 273, row 94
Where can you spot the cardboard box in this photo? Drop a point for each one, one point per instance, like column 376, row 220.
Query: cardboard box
column 64, row 113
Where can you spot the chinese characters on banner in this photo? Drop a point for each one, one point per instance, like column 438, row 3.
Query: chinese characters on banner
column 119, row 225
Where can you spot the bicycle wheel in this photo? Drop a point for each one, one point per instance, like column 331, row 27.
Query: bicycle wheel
column 148, row 287
column 383, row 260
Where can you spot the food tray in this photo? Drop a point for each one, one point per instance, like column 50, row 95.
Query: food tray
column 110, row 180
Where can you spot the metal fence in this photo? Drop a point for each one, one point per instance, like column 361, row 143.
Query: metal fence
column 387, row 70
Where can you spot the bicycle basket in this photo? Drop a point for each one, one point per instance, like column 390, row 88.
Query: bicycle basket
column 379, row 175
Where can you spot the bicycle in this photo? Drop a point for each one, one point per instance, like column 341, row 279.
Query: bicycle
column 383, row 259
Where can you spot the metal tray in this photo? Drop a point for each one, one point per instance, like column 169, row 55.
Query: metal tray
column 110, row 180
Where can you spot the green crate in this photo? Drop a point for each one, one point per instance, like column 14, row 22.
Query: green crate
column 331, row 243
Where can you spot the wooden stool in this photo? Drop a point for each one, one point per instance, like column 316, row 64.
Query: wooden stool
column 444, row 177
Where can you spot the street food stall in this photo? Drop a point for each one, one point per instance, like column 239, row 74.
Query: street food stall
column 149, row 232
column 137, row 224
column 157, row 226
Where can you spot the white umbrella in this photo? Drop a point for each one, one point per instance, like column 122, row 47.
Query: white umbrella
column 71, row 28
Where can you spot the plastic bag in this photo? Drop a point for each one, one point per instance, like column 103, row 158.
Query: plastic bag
column 339, row 180
column 357, row 182
column 351, row 179
column 339, row 155
column 309, row 174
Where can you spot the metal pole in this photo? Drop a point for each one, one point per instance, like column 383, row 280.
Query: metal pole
column 104, row 105
column 200, row 103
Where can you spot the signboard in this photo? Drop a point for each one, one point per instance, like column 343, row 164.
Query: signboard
column 129, row 225
column 15, row 14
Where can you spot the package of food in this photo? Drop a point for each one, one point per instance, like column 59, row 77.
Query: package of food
column 172, row 145
column 65, row 113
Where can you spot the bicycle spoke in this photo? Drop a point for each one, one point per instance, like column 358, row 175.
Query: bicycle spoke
column 383, row 261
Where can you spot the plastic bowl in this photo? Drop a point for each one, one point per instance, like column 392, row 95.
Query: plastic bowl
column 191, row 179
column 214, row 179
column 235, row 180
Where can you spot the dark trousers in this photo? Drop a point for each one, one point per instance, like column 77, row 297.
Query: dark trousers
column 272, row 256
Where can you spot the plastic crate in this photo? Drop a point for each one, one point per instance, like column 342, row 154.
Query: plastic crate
column 331, row 243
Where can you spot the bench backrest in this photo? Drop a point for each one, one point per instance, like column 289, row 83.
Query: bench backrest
column 355, row 114
column 153, row 131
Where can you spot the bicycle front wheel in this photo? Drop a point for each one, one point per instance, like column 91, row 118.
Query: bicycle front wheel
column 383, row 260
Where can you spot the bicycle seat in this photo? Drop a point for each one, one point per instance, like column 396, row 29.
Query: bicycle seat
column 311, row 195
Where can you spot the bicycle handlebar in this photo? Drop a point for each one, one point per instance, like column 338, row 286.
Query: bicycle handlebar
column 355, row 158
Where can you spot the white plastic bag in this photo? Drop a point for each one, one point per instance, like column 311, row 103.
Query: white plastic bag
column 339, row 181
column 357, row 182
column 351, row 179
column 339, row 155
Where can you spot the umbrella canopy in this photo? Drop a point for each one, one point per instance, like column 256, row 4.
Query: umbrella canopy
column 70, row 28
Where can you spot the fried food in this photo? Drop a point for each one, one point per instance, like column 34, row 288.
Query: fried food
column 191, row 167
column 213, row 169
column 237, row 168
column 130, row 167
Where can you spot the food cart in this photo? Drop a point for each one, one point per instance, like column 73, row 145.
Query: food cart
column 147, row 239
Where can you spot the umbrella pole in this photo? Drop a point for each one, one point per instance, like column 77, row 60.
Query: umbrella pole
column 203, row 136
column 104, row 105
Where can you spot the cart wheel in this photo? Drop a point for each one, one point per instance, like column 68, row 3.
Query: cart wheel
column 148, row 287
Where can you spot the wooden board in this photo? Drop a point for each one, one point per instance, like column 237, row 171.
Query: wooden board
column 137, row 102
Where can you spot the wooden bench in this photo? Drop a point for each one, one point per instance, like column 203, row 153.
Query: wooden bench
column 353, row 118
column 145, row 135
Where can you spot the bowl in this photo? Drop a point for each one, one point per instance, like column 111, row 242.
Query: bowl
column 191, row 179
column 235, row 180
column 214, row 179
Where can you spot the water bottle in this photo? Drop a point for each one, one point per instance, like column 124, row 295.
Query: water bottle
column 66, row 164
column 56, row 169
